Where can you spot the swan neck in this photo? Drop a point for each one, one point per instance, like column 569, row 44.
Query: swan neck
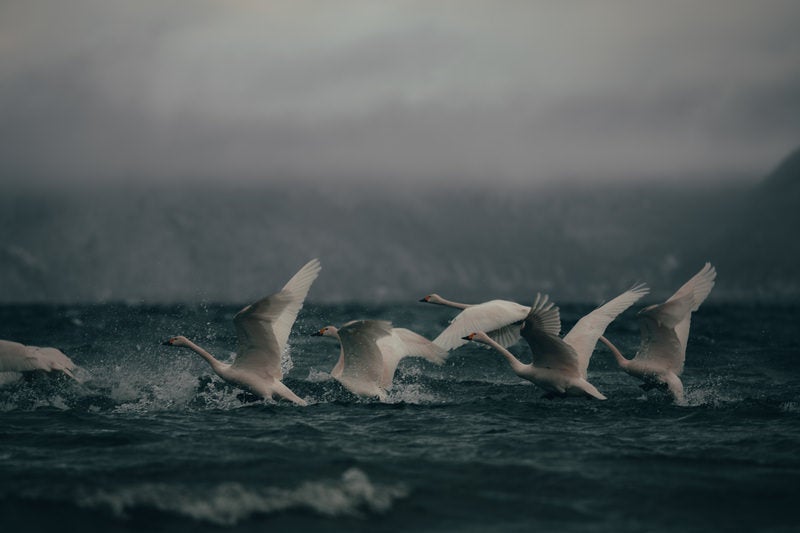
column 216, row 365
column 337, row 370
column 621, row 361
column 517, row 365
column 450, row 303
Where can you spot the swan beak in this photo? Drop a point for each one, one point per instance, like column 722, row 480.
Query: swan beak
column 469, row 337
column 167, row 342
column 424, row 300
column 317, row 334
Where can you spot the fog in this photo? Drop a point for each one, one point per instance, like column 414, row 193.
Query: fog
column 517, row 92
column 222, row 243
column 202, row 151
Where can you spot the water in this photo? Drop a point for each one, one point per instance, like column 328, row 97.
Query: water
column 151, row 442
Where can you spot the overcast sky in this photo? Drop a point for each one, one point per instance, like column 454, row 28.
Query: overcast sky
column 481, row 90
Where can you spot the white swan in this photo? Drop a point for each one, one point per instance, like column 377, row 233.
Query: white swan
column 500, row 319
column 370, row 352
column 664, row 335
column 559, row 365
column 16, row 359
column 262, row 330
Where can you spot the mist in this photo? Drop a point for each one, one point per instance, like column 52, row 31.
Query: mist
column 221, row 243
column 460, row 91
column 177, row 151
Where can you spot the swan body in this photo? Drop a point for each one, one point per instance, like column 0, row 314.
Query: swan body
column 262, row 331
column 370, row 352
column 559, row 365
column 500, row 319
column 664, row 335
column 17, row 359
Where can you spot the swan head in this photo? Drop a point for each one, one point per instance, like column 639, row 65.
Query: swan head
column 327, row 331
column 432, row 299
column 478, row 336
column 180, row 340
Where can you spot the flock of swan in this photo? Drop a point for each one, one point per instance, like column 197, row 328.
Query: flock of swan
column 370, row 350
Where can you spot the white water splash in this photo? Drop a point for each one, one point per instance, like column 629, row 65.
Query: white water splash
column 713, row 392
column 413, row 393
column 228, row 504
column 318, row 376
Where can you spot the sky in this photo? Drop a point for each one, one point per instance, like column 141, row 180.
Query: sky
column 494, row 92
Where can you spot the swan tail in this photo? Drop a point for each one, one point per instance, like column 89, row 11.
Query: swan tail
column 285, row 392
column 592, row 391
column 419, row 346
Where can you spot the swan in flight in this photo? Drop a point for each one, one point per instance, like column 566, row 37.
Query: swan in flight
column 500, row 319
column 559, row 365
column 16, row 359
column 664, row 334
column 262, row 330
column 370, row 352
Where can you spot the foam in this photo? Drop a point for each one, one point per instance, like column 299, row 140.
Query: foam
column 227, row 504
column 413, row 393
column 318, row 376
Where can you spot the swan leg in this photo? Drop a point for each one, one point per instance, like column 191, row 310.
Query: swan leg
column 285, row 392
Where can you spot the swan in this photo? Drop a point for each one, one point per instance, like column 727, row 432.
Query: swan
column 500, row 319
column 559, row 365
column 262, row 330
column 370, row 352
column 664, row 334
column 17, row 359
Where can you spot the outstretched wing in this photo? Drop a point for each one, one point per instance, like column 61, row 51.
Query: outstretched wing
column 500, row 319
column 16, row 357
column 665, row 327
column 363, row 360
column 686, row 299
column 540, row 329
column 699, row 287
column 584, row 335
column 405, row 343
column 660, row 346
column 263, row 328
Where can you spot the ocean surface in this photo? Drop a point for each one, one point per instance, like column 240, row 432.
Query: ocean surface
column 152, row 441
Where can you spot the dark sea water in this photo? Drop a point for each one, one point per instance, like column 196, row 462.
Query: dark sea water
column 150, row 441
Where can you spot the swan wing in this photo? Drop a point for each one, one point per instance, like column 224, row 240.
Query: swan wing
column 665, row 327
column 263, row 328
column 16, row 357
column 500, row 319
column 660, row 348
column 584, row 335
column 699, row 287
column 363, row 359
column 686, row 300
column 540, row 329
column 403, row 343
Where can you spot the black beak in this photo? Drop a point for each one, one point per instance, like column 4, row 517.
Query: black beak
column 466, row 338
column 317, row 334
column 423, row 300
column 166, row 343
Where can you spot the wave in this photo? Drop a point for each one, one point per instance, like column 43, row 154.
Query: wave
column 227, row 504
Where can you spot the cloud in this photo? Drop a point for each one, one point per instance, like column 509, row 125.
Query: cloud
column 521, row 91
